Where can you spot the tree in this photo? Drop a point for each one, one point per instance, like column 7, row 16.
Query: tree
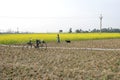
column 77, row 31
column 70, row 30
column 60, row 31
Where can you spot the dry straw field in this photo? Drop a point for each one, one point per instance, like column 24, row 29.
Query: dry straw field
column 17, row 63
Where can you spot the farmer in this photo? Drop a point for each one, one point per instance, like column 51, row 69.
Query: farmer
column 58, row 38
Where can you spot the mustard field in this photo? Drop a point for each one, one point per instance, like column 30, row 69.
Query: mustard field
column 23, row 38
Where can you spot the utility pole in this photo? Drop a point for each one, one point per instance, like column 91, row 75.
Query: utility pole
column 101, row 17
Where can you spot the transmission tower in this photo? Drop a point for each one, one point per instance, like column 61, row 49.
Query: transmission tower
column 101, row 17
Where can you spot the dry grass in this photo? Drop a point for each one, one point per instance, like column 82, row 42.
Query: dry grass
column 59, row 64
column 105, row 43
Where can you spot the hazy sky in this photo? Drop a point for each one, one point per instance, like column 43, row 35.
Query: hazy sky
column 53, row 15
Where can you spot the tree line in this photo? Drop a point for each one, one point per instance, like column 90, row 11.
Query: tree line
column 108, row 30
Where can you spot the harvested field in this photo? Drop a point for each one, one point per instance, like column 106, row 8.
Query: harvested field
column 105, row 43
column 59, row 64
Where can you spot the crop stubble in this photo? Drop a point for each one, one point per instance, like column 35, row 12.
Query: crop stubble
column 50, row 64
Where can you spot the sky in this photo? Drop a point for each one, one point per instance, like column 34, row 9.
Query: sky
column 54, row 15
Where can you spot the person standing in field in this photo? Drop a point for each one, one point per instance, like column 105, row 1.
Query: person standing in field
column 58, row 38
